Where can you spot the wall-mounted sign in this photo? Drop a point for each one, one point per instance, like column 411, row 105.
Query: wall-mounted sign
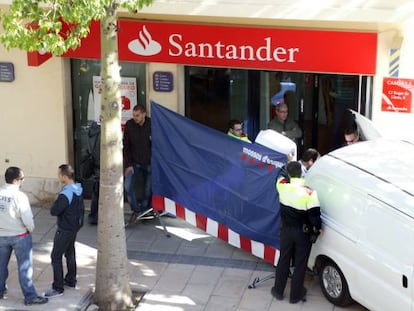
column 162, row 81
column 233, row 46
column 397, row 95
column 6, row 72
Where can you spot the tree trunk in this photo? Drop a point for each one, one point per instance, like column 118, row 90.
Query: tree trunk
column 113, row 291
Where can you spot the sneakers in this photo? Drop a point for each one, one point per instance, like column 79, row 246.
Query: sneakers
column 52, row 293
column 144, row 213
column 276, row 295
column 37, row 301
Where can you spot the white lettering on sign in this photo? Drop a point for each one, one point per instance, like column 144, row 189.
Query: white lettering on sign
column 259, row 157
column 399, row 82
column 264, row 53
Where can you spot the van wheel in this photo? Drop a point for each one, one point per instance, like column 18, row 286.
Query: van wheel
column 333, row 284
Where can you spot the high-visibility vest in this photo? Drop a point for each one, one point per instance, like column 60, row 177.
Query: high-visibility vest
column 295, row 194
column 242, row 137
column 299, row 204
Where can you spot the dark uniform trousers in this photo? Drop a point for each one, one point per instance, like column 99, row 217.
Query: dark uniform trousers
column 294, row 243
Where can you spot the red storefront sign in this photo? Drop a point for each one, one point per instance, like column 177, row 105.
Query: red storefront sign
column 397, row 95
column 90, row 47
column 248, row 47
column 239, row 47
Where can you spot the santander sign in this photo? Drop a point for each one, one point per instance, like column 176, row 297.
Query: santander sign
column 144, row 45
column 248, row 47
column 218, row 50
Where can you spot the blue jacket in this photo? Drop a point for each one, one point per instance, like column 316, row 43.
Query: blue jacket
column 69, row 208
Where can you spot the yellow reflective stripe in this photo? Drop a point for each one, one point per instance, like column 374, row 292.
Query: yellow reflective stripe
column 313, row 200
column 297, row 197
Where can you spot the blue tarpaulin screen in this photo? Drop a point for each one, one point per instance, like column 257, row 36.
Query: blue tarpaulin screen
column 215, row 175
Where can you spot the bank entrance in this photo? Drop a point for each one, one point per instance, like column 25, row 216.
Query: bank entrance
column 318, row 102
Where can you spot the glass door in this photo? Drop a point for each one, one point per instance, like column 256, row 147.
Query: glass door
column 319, row 103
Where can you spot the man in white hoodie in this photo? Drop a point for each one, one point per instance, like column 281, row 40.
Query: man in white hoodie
column 16, row 226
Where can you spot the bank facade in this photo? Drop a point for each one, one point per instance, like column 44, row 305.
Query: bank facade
column 210, row 69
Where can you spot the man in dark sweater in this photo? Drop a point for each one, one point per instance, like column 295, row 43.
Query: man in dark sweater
column 137, row 159
column 69, row 210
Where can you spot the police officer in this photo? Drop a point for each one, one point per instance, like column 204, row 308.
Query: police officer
column 300, row 225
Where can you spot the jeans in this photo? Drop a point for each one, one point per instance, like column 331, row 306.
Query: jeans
column 22, row 247
column 143, row 203
column 63, row 244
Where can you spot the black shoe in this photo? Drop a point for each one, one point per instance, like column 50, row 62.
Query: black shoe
column 301, row 298
column 37, row 301
column 69, row 284
column 92, row 220
column 3, row 295
column 52, row 293
column 133, row 218
column 276, row 295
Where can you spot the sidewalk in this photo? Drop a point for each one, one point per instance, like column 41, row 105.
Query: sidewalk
column 188, row 271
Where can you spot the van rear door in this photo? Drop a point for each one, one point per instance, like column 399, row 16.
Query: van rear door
column 367, row 129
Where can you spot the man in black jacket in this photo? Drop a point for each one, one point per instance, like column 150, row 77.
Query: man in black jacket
column 137, row 160
column 69, row 210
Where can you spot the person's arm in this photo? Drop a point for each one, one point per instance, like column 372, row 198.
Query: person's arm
column 26, row 213
column 283, row 173
column 281, row 182
column 315, row 218
column 275, row 125
column 127, row 147
column 293, row 130
column 60, row 205
column 314, row 211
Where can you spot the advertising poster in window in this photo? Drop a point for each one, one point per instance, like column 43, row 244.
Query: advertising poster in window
column 397, row 95
column 128, row 95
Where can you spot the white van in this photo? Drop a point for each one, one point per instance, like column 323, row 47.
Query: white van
column 366, row 251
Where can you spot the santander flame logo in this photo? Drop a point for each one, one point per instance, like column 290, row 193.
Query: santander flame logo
column 144, row 45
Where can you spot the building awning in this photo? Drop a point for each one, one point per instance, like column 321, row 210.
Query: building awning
column 232, row 46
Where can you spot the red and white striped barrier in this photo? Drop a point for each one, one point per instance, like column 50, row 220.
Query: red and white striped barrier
column 212, row 227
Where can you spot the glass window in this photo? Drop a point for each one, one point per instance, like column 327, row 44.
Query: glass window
column 85, row 98
column 318, row 103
